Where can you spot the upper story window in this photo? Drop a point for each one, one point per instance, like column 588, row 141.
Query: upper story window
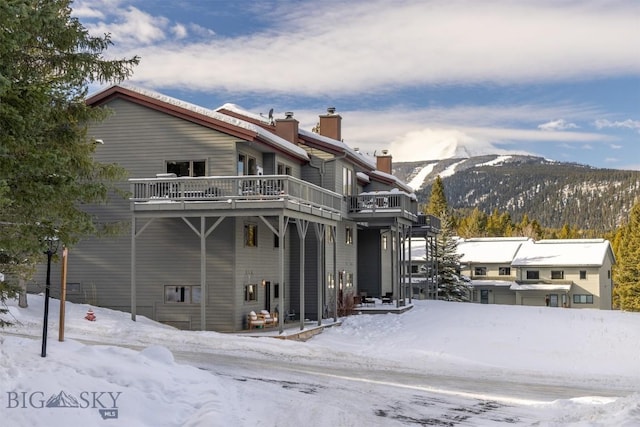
column 557, row 274
column 533, row 275
column 480, row 271
column 187, row 167
column 283, row 169
column 347, row 181
column 583, row 274
column 504, row 271
column 247, row 165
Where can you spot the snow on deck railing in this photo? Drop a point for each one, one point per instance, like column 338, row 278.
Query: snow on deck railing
column 224, row 188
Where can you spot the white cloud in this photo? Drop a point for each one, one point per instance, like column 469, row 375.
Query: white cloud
column 615, row 146
column 132, row 27
column 423, row 134
column 628, row 124
column 555, row 125
column 356, row 46
column 179, row 30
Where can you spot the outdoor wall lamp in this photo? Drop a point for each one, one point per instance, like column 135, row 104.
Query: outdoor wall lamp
column 52, row 248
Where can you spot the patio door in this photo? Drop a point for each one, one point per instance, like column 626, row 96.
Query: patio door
column 553, row 300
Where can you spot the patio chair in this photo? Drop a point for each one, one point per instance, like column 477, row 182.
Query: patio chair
column 253, row 321
column 387, row 298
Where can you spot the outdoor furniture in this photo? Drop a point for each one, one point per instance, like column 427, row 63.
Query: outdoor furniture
column 253, row 321
column 366, row 301
column 387, row 298
column 269, row 319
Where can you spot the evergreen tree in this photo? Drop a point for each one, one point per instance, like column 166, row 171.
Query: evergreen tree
column 437, row 201
column 627, row 272
column 450, row 286
column 47, row 171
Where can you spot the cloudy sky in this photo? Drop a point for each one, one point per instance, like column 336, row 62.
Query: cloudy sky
column 422, row 78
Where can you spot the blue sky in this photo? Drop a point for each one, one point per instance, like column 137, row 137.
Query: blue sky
column 424, row 79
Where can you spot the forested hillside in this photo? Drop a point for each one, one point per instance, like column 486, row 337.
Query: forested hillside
column 552, row 193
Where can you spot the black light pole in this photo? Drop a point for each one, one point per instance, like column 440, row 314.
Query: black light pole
column 51, row 249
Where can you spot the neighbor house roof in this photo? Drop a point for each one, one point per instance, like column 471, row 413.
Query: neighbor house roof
column 569, row 252
column 197, row 114
column 489, row 250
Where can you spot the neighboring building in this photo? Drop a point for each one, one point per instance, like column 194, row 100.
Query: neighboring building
column 566, row 273
column 561, row 273
column 487, row 262
column 231, row 212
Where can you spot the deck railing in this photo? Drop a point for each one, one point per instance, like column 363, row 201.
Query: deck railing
column 224, row 188
column 382, row 201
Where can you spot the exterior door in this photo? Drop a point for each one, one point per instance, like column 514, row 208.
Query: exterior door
column 484, row 296
column 553, row 300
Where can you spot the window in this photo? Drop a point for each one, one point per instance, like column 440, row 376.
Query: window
column 557, row 274
column 247, row 165
column 414, row 269
column 504, row 271
column 349, row 280
column 283, row 169
column 330, row 282
column 533, row 275
column 583, row 299
column 347, row 181
column 251, row 235
column 348, row 235
column 276, row 241
column 182, row 294
column 251, row 293
column 583, row 274
column 384, row 242
column 480, row 271
column 187, row 168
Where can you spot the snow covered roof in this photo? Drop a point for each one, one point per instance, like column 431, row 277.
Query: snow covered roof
column 503, row 283
column 490, row 250
column 563, row 252
column 540, row 287
column 281, row 143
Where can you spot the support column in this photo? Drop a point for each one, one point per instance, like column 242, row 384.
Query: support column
column 335, row 273
column 203, row 274
column 320, row 230
column 133, row 268
column 303, row 226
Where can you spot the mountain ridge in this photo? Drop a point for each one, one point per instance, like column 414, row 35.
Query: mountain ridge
column 553, row 193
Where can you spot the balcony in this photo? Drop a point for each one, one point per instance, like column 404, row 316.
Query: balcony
column 383, row 205
column 251, row 192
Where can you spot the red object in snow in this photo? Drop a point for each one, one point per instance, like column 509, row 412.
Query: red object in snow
column 90, row 316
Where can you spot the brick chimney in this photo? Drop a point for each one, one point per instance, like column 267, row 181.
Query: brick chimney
column 331, row 124
column 287, row 128
column 383, row 162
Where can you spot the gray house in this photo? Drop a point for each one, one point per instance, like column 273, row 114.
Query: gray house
column 230, row 212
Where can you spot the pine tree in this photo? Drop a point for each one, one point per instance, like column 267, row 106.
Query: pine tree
column 437, row 201
column 450, row 286
column 627, row 272
column 47, row 61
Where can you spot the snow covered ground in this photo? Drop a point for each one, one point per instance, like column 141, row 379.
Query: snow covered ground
column 441, row 363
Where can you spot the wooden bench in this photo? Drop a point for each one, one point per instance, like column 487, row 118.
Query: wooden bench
column 263, row 319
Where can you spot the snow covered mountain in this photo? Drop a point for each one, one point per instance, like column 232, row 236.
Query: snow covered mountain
column 554, row 193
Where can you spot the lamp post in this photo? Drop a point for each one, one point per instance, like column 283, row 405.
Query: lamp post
column 52, row 247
